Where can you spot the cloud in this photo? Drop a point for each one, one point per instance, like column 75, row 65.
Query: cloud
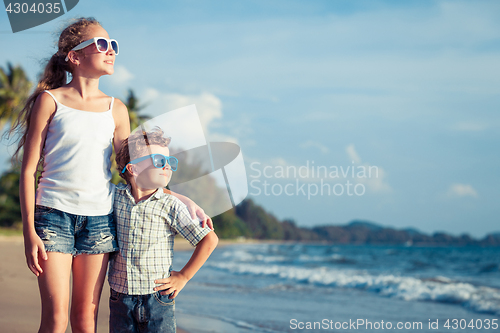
column 208, row 106
column 314, row 144
column 376, row 175
column 468, row 126
column 121, row 76
column 150, row 94
column 462, row 190
column 353, row 155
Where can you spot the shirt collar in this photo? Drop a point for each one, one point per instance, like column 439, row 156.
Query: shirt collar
column 158, row 194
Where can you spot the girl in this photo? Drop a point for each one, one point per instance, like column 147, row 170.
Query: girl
column 70, row 128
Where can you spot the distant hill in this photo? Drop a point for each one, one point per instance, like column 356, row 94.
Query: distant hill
column 412, row 231
column 251, row 220
column 364, row 224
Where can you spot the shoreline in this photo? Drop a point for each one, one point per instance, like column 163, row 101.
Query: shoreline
column 20, row 295
column 180, row 244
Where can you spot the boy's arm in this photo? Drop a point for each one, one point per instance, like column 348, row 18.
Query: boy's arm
column 177, row 280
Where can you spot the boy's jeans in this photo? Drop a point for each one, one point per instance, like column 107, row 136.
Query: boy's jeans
column 141, row 313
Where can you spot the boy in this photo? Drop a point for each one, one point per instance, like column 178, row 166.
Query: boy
column 143, row 286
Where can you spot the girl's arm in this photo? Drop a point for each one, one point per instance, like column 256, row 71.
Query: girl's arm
column 194, row 209
column 41, row 114
column 122, row 124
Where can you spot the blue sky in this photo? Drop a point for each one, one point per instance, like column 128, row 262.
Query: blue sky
column 408, row 87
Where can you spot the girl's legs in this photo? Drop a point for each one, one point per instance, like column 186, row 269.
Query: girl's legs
column 89, row 272
column 54, row 291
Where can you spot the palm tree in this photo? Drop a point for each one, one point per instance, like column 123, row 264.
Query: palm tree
column 133, row 107
column 10, row 208
column 14, row 91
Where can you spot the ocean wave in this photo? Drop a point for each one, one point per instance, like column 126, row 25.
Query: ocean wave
column 248, row 256
column 245, row 256
column 490, row 268
column 439, row 289
column 333, row 258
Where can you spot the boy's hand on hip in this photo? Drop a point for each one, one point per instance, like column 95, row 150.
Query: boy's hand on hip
column 173, row 284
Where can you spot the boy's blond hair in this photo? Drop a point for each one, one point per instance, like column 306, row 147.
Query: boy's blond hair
column 136, row 145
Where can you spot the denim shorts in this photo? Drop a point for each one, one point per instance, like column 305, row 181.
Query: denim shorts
column 141, row 313
column 75, row 234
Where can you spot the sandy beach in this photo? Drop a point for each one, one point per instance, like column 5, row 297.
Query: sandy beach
column 20, row 301
column 262, row 286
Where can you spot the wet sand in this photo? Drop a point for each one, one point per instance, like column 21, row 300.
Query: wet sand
column 20, row 299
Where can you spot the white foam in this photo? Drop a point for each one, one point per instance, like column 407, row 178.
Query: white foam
column 245, row 256
column 439, row 289
column 248, row 256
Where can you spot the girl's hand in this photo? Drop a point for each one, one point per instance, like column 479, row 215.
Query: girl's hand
column 197, row 211
column 194, row 209
column 174, row 283
column 34, row 249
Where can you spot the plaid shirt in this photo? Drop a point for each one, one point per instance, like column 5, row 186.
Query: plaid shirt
column 146, row 239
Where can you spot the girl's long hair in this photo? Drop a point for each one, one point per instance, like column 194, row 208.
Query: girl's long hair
column 54, row 76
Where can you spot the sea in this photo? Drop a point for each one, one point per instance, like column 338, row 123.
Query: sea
column 295, row 287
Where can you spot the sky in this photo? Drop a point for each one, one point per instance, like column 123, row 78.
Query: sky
column 312, row 90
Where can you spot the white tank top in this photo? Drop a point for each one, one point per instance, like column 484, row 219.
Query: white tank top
column 76, row 170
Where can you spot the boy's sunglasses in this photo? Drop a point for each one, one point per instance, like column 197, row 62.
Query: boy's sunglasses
column 159, row 161
column 102, row 44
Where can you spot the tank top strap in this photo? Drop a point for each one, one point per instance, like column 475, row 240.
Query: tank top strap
column 57, row 103
column 112, row 101
column 53, row 97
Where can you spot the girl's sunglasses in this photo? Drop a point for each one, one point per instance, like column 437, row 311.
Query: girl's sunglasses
column 102, row 44
column 159, row 161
